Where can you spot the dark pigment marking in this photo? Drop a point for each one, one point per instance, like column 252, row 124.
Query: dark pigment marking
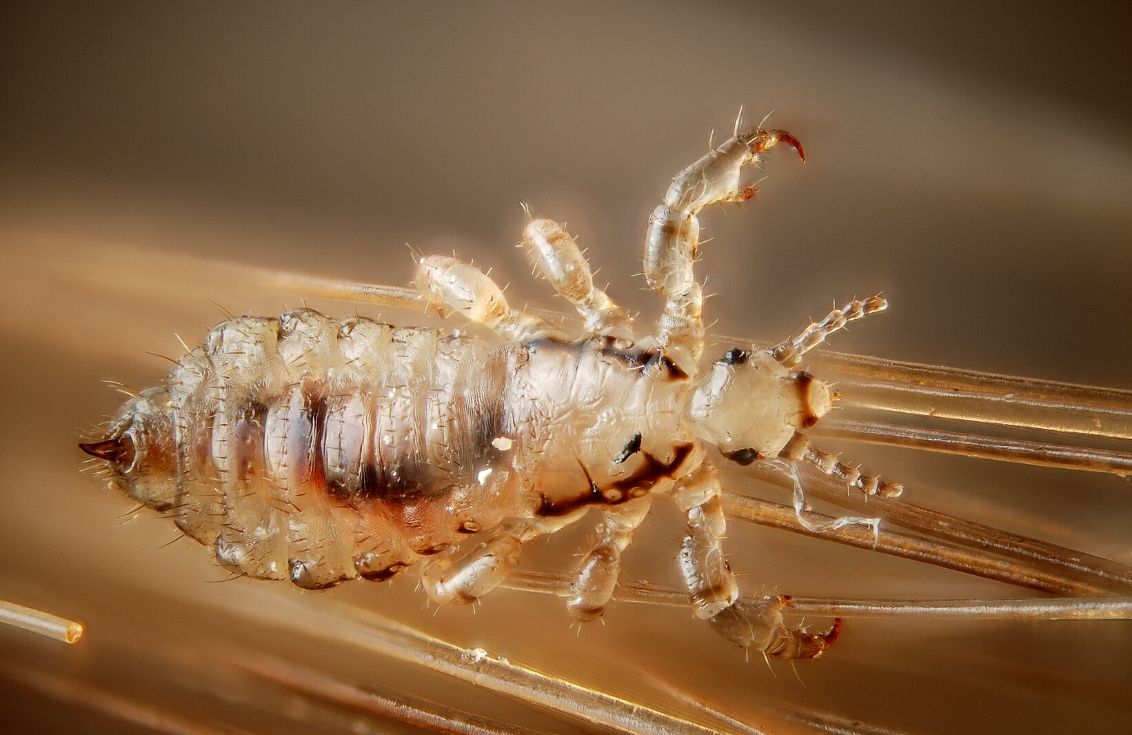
column 735, row 356
column 406, row 479
column 382, row 575
column 644, row 478
column 802, row 382
column 316, row 408
column 630, row 449
column 743, row 456
column 634, row 358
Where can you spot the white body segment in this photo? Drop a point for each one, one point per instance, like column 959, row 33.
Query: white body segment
column 319, row 451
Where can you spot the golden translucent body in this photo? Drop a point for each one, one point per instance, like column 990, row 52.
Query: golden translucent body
column 322, row 451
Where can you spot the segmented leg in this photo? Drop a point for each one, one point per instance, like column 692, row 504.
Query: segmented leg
column 799, row 449
column 715, row 596
column 673, row 235
column 448, row 283
column 759, row 625
column 468, row 572
column 597, row 576
column 790, row 352
column 558, row 259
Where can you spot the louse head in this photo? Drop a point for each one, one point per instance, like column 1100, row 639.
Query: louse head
column 749, row 405
column 138, row 450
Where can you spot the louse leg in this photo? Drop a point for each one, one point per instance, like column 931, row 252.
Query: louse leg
column 673, row 235
column 468, row 572
column 448, row 283
column 790, row 352
column 799, row 449
column 556, row 254
column 597, row 576
column 711, row 584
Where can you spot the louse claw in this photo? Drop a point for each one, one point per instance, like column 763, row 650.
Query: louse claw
column 764, row 140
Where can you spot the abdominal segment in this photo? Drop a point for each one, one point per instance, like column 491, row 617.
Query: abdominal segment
column 321, row 451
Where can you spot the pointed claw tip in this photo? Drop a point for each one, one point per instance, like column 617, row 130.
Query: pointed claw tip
column 790, row 140
column 762, row 140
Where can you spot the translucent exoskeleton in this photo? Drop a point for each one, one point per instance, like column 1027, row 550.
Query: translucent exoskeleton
column 317, row 450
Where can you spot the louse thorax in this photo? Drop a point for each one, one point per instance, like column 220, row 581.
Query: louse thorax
column 749, row 405
column 139, row 450
column 597, row 423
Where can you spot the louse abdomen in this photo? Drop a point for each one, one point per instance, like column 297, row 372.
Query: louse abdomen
column 313, row 450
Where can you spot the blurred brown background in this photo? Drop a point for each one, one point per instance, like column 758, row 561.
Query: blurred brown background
column 974, row 163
